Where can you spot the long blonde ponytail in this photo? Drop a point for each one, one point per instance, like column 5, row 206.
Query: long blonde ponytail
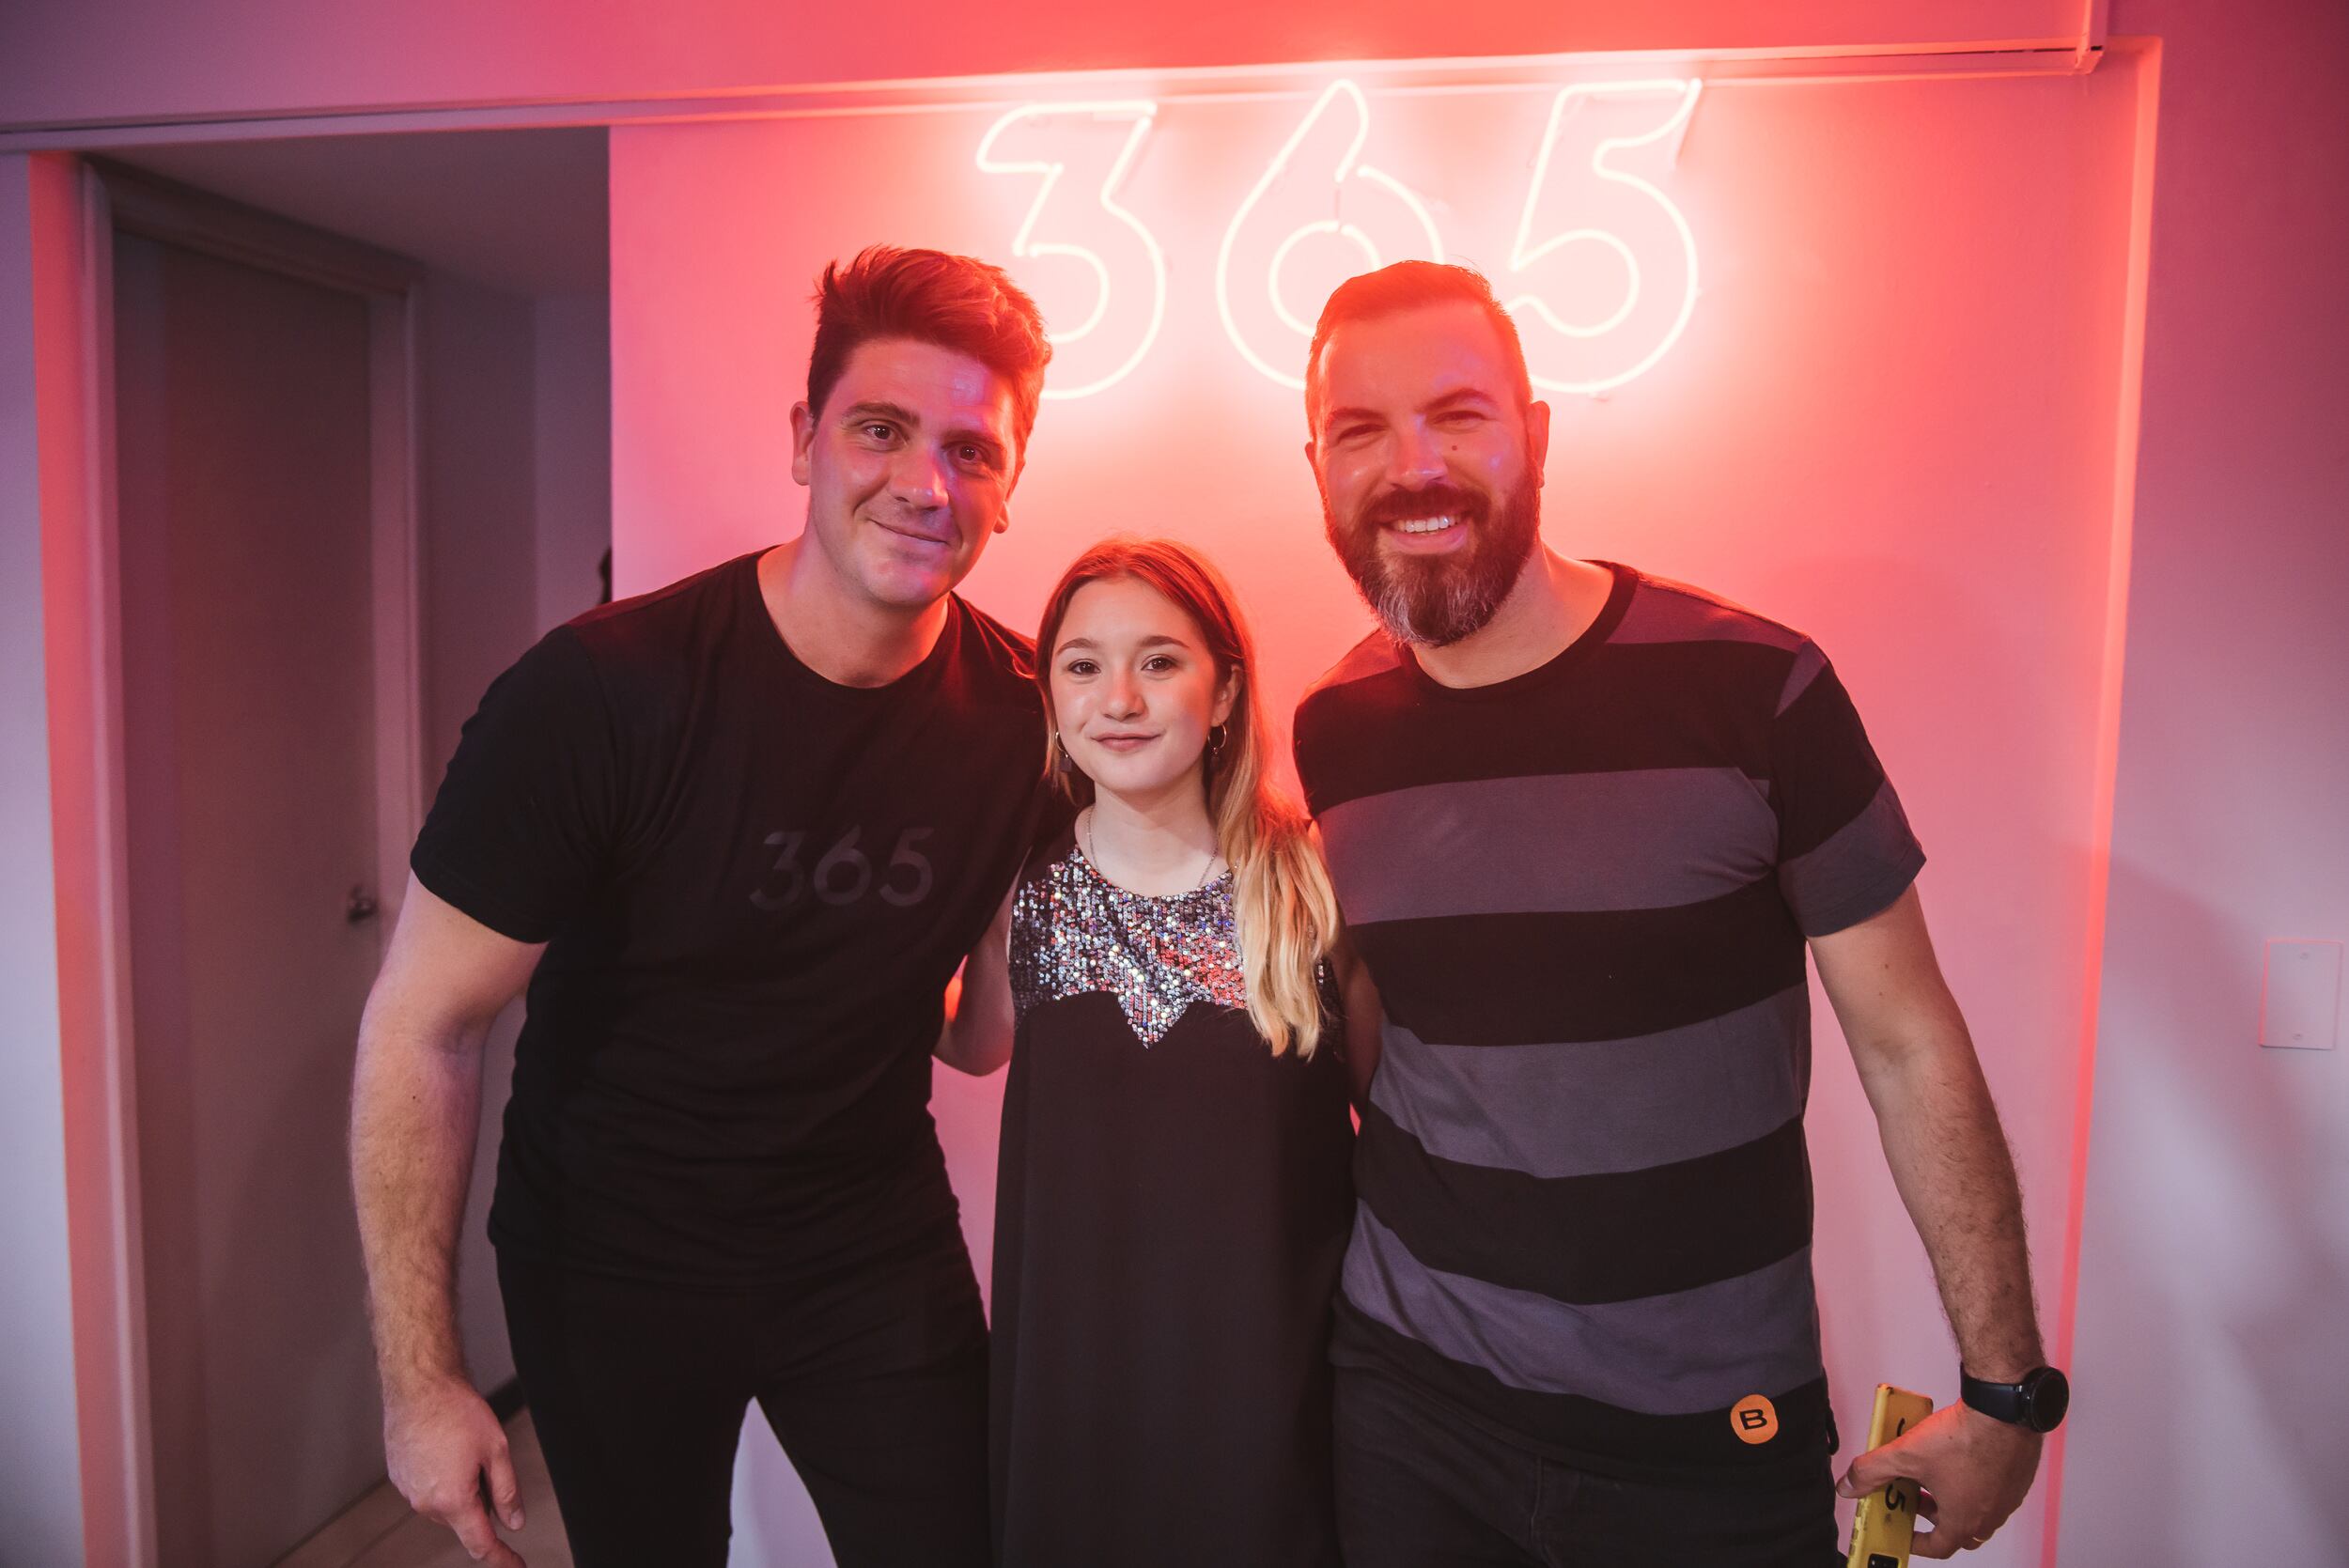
column 1282, row 901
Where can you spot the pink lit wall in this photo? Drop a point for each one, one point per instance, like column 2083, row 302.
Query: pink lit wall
column 67, row 61
column 1892, row 420
column 2213, row 1386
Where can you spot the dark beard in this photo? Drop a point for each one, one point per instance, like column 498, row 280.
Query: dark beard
column 1436, row 600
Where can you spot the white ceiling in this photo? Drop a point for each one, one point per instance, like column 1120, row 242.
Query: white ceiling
column 523, row 210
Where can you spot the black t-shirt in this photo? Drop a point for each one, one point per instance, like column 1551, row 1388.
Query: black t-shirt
column 754, row 884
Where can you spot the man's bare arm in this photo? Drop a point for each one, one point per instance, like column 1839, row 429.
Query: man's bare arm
column 1955, row 1174
column 414, row 1115
column 1940, row 1131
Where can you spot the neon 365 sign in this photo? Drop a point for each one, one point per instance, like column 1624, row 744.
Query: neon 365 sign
column 1601, row 273
column 1341, row 97
column 1144, row 264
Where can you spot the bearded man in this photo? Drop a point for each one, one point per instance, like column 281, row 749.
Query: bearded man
column 1585, row 823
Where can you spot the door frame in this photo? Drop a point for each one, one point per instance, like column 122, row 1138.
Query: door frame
column 102, row 1172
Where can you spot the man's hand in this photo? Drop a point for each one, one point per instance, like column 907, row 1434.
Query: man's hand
column 1974, row 1470
column 440, row 1441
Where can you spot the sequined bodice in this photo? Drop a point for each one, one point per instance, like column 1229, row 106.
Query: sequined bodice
column 1073, row 931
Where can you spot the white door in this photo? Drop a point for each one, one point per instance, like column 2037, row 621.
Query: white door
column 250, row 783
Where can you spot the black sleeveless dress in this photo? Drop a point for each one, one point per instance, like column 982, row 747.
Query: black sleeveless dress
column 1171, row 1211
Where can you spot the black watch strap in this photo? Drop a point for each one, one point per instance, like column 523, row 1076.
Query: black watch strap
column 2036, row 1403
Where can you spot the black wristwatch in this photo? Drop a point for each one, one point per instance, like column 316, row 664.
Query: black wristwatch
column 2036, row 1403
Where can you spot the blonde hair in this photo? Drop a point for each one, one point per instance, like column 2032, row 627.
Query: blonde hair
column 1283, row 905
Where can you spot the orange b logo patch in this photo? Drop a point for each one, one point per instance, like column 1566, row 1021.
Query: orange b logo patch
column 1755, row 1419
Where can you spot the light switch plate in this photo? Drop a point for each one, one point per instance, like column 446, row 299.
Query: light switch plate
column 2300, row 995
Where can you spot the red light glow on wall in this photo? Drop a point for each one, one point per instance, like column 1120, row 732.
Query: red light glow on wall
column 1888, row 419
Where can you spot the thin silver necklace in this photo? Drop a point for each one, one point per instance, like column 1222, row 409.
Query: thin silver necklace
column 1085, row 822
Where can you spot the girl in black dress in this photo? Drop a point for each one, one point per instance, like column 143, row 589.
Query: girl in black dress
column 1172, row 1200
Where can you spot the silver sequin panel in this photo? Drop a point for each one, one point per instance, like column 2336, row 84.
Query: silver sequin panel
column 1073, row 931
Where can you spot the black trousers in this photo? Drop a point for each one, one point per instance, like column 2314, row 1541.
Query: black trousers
column 1419, row 1487
column 875, row 1383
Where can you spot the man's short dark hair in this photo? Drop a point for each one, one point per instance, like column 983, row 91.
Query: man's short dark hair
column 1410, row 286
column 953, row 301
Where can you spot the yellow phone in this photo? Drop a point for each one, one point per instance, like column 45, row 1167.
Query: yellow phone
column 1883, row 1528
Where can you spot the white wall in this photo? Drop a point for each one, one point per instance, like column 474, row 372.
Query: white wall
column 571, row 450
column 41, row 1480
column 2212, row 1382
column 480, row 549
column 516, row 509
column 480, row 610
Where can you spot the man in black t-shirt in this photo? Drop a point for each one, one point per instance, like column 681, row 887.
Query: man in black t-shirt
column 1584, row 824
column 735, row 835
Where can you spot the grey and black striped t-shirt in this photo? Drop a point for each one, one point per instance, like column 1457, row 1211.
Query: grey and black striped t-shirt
column 1584, row 893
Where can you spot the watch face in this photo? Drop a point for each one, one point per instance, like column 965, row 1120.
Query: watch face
column 2046, row 1395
